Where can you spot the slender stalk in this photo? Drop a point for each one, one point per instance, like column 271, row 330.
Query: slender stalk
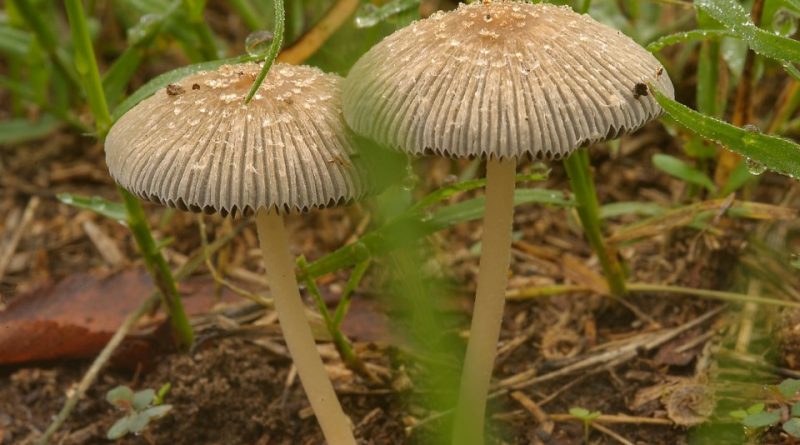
column 333, row 324
column 274, row 48
column 86, row 65
column 580, row 178
column 487, row 315
column 158, row 268
column 312, row 40
column 279, row 266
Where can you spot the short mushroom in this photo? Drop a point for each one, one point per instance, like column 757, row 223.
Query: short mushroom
column 196, row 145
column 500, row 81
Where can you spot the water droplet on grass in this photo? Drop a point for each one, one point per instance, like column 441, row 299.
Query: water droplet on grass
column 145, row 27
column 784, row 22
column 257, row 43
column 755, row 167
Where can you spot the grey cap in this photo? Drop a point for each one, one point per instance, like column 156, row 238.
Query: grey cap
column 502, row 80
column 196, row 145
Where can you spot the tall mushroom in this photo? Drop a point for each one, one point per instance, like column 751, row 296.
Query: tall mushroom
column 500, row 81
column 196, row 145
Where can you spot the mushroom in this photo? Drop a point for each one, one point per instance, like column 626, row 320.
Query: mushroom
column 196, row 145
column 500, row 81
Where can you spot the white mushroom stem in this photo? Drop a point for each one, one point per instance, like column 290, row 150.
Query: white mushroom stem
column 280, row 267
column 487, row 315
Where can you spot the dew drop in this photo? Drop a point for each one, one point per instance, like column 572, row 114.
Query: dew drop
column 257, row 43
column 367, row 15
column 146, row 26
column 784, row 22
column 755, row 167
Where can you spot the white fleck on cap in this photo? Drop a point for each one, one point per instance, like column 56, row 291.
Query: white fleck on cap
column 196, row 145
column 502, row 80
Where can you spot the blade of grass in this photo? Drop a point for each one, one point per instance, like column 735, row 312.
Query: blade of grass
column 687, row 36
column 250, row 16
column 274, row 48
column 777, row 154
column 15, row 131
column 86, row 65
column 736, row 20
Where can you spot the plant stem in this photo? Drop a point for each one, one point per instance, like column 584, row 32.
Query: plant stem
column 585, row 6
column 279, row 266
column 86, row 65
column 580, row 178
column 333, row 323
column 274, row 48
column 158, row 268
column 487, row 315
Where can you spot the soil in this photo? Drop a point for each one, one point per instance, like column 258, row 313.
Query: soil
column 232, row 389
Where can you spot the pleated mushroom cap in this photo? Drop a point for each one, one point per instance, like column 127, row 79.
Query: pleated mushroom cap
column 196, row 145
column 502, row 80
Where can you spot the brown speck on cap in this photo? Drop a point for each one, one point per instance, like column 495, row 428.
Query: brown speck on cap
column 206, row 150
column 503, row 80
column 174, row 89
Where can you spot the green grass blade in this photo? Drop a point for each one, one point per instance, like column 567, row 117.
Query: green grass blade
column 14, row 42
column 683, row 171
column 101, row 206
column 688, row 36
column 737, row 20
column 274, row 48
column 116, row 79
column 777, row 154
column 86, row 65
column 14, row 131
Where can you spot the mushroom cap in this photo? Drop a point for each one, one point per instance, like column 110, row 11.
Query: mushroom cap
column 196, row 145
column 502, row 80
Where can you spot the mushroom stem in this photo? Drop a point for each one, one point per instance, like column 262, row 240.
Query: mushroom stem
column 487, row 315
column 580, row 178
column 280, row 266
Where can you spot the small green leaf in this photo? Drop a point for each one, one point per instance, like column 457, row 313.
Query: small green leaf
column 142, row 399
column 755, row 408
column 155, row 412
column 792, row 426
column 138, row 422
column 762, row 419
column 681, row 170
column 120, row 428
column 581, row 413
column 120, row 396
column 777, row 154
column 795, row 409
column 738, row 414
column 101, row 206
column 789, row 388
column 162, row 392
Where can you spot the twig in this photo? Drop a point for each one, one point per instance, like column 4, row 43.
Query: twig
column 609, row 432
column 97, row 365
column 611, row 357
column 101, row 359
column 746, row 322
column 614, row 419
column 311, row 41
column 9, row 248
column 546, row 425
